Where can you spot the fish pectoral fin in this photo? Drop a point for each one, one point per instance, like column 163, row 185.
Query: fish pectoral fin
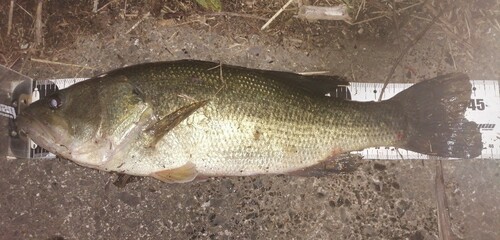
column 167, row 123
column 182, row 174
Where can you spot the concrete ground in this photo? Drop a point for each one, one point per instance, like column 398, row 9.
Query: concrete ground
column 56, row 199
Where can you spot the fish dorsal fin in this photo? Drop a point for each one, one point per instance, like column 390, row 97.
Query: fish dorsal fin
column 167, row 123
column 318, row 85
column 182, row 174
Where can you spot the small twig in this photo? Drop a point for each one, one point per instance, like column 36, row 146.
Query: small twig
column 448, row 27
column 313, row 73
column 420, row 18
column 78, row 73
column 96, row 4
column 410, row 6
column 220, row 73
column 352, row 73
column 24, row 10
column 367, row 20
column 125, row 8
column 234, row 45
column 193, row 21
column 138, row 22
column 497, row 24
column 14, row 62
column 38, row 23
column 361, row 6
column 217, row 66
column 276, row 15
column 467, row 25
column 444, row 225
column 400, row 155
column 396, row 24
column 173, row 35
column 105, row 5
column 11, row 12
column 4, row 59
column 60, row 63
column 469, row 54
column 493, row 21
column 221, row 77
column 168, row 50
column 384, row 14
column 192, row 99
column 405, row 51
column 451, row 55
column 242, row 15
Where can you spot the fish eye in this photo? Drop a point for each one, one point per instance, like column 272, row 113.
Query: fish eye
column 54, row 102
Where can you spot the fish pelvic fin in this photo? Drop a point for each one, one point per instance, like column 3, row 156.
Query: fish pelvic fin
column 167, row 123
column 435, row 111
column 182, row 174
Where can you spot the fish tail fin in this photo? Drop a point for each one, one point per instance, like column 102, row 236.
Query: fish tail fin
column 435, row 112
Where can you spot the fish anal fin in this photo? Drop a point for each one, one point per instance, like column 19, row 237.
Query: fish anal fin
column 167, row 123
column 182, row 174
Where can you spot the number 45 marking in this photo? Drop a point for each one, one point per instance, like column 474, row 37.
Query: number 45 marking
column 477, row 104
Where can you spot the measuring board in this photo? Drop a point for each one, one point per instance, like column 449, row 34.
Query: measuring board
column 484, row 109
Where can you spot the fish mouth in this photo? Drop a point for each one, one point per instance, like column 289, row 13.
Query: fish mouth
column 51, row 138
column 41, row 133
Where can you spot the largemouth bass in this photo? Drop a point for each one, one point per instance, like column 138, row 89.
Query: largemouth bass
column 182, row 120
